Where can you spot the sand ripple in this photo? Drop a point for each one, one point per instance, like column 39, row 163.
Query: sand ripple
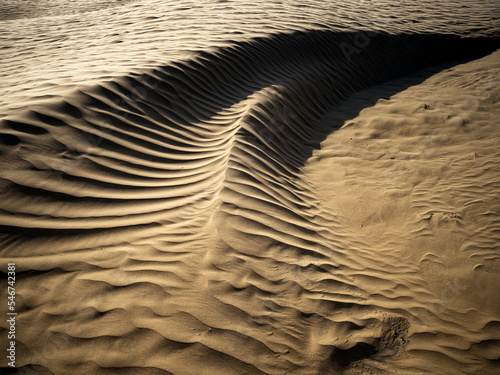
column 211, row 216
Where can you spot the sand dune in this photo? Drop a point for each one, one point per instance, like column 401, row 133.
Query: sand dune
column 284, row 196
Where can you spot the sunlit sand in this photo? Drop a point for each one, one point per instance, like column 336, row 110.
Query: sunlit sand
column 216, row 187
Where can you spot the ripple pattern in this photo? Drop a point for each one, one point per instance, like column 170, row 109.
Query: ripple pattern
column 166, row 213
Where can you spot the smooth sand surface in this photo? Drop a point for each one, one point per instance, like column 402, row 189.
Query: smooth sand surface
column 212, row 188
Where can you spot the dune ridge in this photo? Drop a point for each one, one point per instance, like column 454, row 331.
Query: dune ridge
column 169, row 215
column 176, row 120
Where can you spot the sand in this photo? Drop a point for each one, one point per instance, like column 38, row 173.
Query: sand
column 300, row 189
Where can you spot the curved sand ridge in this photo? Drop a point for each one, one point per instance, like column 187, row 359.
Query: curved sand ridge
column 155, row 135
column 202, row 245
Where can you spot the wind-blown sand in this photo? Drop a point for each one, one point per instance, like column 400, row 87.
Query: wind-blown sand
column 214, row 188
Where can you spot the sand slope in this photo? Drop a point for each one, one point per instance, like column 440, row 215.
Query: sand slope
column 252, row 208
column 415, row 180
